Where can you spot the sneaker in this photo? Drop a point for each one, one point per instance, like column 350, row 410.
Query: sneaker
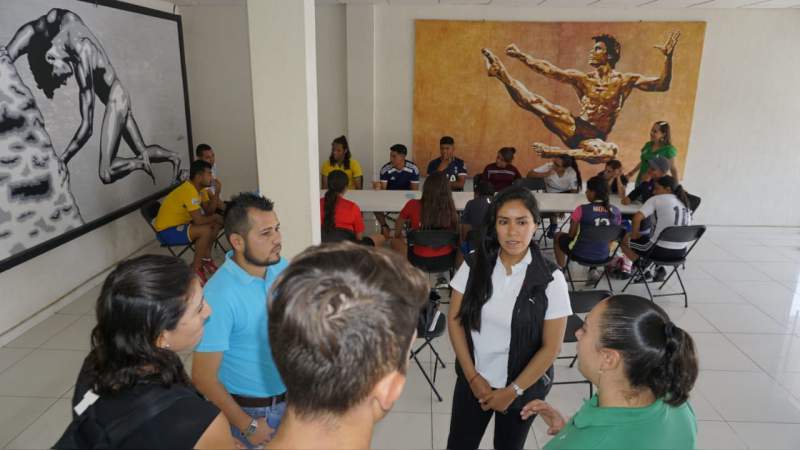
column 208, row 267
column 202, row 276
column 551, row 230
column 592, row 276
column 661, row 274
column 441, row 283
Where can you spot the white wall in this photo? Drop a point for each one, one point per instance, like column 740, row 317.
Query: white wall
column 331, row 81
column 217, row 49
column 744, row 145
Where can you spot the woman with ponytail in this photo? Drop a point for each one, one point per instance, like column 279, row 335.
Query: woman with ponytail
column 507, row 319
column 644, row 367
column 598, row 212
column 342, row 159
column 659, row 145
column 669, row 206
column 339, row 213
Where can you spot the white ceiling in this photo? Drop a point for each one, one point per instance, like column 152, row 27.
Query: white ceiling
column 663, row 4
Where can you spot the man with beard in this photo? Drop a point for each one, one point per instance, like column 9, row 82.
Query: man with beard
column 233, row 365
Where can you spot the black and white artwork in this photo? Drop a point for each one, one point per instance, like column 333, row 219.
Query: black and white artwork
column 93, row 117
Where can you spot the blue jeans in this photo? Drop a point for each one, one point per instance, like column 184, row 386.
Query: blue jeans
column 273, row 414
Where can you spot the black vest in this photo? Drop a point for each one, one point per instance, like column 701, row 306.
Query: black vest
column 527, row 326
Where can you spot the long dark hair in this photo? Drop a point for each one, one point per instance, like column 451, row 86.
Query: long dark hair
column 656, row 353
column 597, row 184
column 672, row 184
column 337, row 183
column 569, row 161
column 140, row 299
column 438, row 210
column 341, row 140
column 479, row 285
column 664, row 128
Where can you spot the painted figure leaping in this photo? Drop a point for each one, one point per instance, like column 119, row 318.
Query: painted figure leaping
column 602, row 93
column 60, row 45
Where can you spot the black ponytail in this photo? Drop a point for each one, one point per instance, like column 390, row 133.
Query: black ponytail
column 569, row 161
column 656, row 353
column 672, row 184
column 479, row 284
column 598, row 185
column 337, row 182
column 341, row 140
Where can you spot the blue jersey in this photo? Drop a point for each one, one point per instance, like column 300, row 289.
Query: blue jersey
column 593, row 215
column 399, row 180
column 456, row 168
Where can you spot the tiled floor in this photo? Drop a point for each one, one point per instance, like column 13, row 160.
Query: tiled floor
column 744, row 314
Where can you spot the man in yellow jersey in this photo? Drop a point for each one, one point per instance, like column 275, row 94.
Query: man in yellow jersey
column 181, row 220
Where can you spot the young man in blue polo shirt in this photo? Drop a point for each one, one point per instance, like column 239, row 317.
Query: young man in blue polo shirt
column 399, row 174
column 233, row 365
column 454, row 168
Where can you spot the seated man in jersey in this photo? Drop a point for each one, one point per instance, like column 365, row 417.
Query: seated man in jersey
column 399, row 174
column 181, row 219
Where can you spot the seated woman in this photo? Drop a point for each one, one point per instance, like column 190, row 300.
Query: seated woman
column 341, row 159
column 560, row 176
column 501, row 173
column 338, row 213
column 644, row 368
column 474, row 212
column 150, row 308
column 598, row 212
column 434, row 211
column 669, row 206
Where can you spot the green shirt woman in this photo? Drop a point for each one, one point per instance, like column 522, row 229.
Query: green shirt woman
column 644, row 367
column 660, row 144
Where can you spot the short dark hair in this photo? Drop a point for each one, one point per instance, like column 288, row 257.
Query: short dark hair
column 197, row 167
column 198, row 152
column 447, row 140
column 236, row 218
column 656, row 353
column 613, row 47
column 614, row 164
column 141, row 298
column 341, row 317
column 507, row 153
column 399, row 148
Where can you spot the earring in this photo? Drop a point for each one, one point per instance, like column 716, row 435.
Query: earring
column 166, row 345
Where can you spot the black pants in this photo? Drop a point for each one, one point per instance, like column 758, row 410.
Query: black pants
column 468, row 423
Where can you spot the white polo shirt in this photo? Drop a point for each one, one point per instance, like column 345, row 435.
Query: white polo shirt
column 493, row 342
column 558, row 184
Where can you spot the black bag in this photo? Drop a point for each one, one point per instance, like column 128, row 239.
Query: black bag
column 88, row 431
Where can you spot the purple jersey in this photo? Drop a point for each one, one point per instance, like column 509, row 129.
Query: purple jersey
column 593, row 215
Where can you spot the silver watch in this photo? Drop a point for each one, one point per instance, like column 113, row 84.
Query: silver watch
column 518, row 390
column 251, row 429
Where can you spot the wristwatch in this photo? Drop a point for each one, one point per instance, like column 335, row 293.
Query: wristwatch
column 518, row 390
column 251, row 429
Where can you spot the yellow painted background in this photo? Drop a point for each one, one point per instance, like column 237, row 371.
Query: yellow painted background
column 454, row 96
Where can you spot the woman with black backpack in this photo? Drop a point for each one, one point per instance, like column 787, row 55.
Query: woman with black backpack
column 133, row 391
column 507, row 320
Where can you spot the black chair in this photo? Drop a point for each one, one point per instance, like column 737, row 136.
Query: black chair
column 337, row 235
column 694, row 202
column 533, row 184
column 433, row 239
column 431, row 325
column 608, row 235
column 149, row 212
column 574, row 323
column 686, row 234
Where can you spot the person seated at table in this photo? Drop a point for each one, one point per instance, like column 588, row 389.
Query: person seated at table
column 669, row 206
column 150, row 309
column 341, row 159
column 181, row 219
column 474, row 213
column 210, row 197
column 615, row 178
column 561, row 175
column 598, row 212
column 339, row 213
column 454, row 168
column 434, row 211
column 657, row 168
column 501, row 173
column 399, row 174
column 644, row 367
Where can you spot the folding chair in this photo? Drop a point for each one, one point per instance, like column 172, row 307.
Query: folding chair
column 608, row 235
column 687, row 234
column 431, row 325
column 149, row 212
column 574, row 323
column 433, row 239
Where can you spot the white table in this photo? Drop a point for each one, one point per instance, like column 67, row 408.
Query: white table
column 391, row 201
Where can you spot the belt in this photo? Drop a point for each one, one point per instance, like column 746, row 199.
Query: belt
column 258, row 402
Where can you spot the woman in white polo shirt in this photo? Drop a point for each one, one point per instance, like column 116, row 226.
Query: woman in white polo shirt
column 562, row 175
column 507, row 320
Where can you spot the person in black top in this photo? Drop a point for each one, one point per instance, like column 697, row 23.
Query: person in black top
column 658, row 168
column 615, row 178
column 474, row 212
column 150, row 308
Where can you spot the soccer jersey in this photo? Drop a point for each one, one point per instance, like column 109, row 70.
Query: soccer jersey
column 500, row 178
column 352, row 173
column 346, row 215
column 399, row 179
column 412, row 211
column 177, row 207
column 666, row 211
column 456, row 168
column 593, row 215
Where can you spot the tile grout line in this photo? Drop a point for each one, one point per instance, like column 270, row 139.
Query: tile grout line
column 5, row 445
